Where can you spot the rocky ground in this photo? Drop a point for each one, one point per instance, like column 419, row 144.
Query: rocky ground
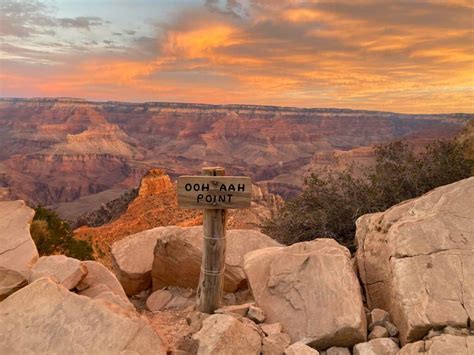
column 408, row 290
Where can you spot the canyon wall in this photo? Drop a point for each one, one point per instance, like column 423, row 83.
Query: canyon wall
column 59, row 150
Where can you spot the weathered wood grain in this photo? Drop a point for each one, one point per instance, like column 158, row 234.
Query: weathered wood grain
column 211, row 282
column 214, row 192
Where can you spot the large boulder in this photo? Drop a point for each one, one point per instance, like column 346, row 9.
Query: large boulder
column 441, row 345
column 225, row 335
column 17, row 249
column 45, row 317
column 132, row 259
column 312, row 290
column 174, row 254
column 68, row 271
column 416, row 260
column 382, row 346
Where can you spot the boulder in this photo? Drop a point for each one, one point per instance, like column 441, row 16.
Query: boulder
column 223, row 334
column 158, row 300
column 177, row 257
column 17, row 250
column 98, row 274
column 441, row 345
column 67, row 271
column 256, row 314
column 132, row 259
column 378, row 332
column 416, row 260
column 300, row 348
column 10, row 281
column 314, row 293
column 382, row 346
column 269, row 329
column 45, row 317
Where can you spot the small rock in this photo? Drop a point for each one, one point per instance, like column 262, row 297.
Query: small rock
column 94, row 291
column 275, row 344
column 338, row 351
column 194, row 320
column 256, row 314
column 300, row 348
column 241, row 309
column 158, row 300
column 68, row 271
column 270, row 329
column 378, row 332
column 186, row 345
column 391, row 328
column 382, row 346
column 379, row 316
column 179, row 302
column 223, row 334
column 10, row 281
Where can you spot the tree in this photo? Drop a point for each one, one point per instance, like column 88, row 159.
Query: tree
column 54, row 236
column 329, row 206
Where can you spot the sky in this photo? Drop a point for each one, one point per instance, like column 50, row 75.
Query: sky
column 413, row 56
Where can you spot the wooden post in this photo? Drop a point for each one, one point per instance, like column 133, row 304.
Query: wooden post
column 211, row 281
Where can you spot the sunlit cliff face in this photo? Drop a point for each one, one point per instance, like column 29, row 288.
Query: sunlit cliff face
column 405, row 56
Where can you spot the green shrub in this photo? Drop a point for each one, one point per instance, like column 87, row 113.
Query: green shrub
column 329, row 206
column 54, row 236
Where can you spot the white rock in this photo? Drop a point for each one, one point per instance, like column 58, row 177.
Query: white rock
column 416, row 260
column 45, row 317
column 314, row 293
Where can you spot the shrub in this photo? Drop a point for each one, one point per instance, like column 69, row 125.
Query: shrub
column 329, row 206
column 54, row 236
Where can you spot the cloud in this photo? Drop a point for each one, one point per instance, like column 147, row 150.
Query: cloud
column 393, row 55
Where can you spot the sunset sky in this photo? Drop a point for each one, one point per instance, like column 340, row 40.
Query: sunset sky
column 403, row 56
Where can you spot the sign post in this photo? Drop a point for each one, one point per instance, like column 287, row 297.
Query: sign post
column 214, row 193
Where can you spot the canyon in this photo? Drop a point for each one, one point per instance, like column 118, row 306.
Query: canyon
column 55, row 151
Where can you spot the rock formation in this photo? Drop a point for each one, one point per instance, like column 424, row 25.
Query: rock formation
column 56, row 150
column 416, row 260
column 17, row 250
column 311, row 289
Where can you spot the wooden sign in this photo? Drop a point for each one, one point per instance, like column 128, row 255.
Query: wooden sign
column 214, row 192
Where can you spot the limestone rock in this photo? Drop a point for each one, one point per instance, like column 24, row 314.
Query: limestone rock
column 132, row 258
column 338, row 351
column 275, row 344
column 300, row 348
column 223, row 334
column 98, row 274
column 416, row 260
column 68, row 271
column 382, row 346
column 314, row 294
column 177, row 257
column 45, row 317
column 441, row 345
column 17, row 250
column 10, row 281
